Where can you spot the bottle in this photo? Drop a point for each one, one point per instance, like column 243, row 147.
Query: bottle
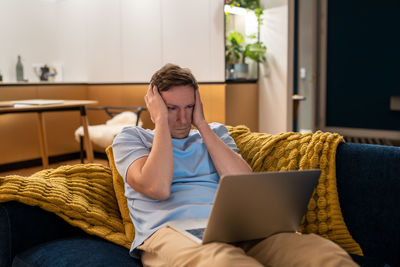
column 20, row 70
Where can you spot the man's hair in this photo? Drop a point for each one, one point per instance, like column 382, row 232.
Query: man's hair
column 172, row 75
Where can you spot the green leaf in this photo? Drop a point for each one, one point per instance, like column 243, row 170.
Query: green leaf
column 256, row 52
column 236, row 37
column 234, row 47
column 252, row 36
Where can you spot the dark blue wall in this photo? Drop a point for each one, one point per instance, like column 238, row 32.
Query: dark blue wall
column 363, row 68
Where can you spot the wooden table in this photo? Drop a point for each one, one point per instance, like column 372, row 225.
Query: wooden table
column 7, row 107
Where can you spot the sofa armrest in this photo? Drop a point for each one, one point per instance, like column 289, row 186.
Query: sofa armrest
column 23, row 226
column 368, row 181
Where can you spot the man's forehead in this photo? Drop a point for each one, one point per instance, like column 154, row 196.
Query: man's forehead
column 179, row 102
column 179, row 91
column 178, row 97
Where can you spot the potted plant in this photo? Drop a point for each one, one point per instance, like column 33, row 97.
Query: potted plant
column 235, row 56
column 255, row 51
column 237, row 50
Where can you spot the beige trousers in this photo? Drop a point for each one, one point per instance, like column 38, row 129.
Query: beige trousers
column 168, row 247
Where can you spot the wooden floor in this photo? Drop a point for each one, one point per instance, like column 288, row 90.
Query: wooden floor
column 32, row 170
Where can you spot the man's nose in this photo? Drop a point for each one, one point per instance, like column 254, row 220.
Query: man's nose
column 182, row 116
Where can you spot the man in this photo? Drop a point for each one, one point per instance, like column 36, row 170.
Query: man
column 172, row 173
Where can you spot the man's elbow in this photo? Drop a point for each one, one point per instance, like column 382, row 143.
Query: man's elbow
column 156, row 192
column 162, row 194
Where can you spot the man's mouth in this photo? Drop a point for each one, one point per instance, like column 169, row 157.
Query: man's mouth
column 185, row 128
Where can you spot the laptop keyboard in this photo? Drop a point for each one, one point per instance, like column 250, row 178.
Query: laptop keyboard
column 198, row 232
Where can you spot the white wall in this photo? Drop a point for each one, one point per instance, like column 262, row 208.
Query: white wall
column 113, row 40
column 307, row 60
column 274, row 101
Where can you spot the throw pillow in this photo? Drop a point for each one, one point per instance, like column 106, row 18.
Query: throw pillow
column 119, row 190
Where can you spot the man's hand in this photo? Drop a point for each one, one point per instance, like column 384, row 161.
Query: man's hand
column 156, row 105
column 225, row 160
column 198, row 115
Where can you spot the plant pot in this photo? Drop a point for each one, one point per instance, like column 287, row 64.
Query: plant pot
column 237, row 71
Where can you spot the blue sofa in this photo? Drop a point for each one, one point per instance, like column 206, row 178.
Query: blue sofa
column 368, row 179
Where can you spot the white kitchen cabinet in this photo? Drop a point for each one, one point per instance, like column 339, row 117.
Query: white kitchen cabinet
column 193, row 36
column 103, row 40
column 141, row 41
column 114, row 40
column 186, row 32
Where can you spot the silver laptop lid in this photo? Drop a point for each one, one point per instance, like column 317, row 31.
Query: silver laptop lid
column 257, row 205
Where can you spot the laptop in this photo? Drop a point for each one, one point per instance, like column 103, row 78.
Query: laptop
column 253, row 206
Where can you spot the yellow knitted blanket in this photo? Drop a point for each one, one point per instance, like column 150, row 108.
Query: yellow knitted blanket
column 91, row 196
column 83, row 195
column 295, row 151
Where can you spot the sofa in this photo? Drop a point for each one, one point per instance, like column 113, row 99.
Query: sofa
column 368, row 185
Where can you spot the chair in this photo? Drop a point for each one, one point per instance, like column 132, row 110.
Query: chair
column 103, row 134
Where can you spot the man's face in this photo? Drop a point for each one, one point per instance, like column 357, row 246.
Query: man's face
column 180, row 102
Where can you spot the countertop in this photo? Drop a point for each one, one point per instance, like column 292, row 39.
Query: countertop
column 106, row 83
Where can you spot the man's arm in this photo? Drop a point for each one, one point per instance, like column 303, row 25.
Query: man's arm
column 152, row 175
column 225, row 160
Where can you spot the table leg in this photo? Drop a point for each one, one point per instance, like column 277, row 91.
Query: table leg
column 43, row 141
column 88, row 144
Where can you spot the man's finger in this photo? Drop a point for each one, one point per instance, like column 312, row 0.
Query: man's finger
column 155, row 90
column 150, row 90
column 198, row 98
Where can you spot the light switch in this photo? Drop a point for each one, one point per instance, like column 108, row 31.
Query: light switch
column 303, row 73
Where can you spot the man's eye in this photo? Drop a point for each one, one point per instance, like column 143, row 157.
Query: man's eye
column 171, row 108
column 190, row 107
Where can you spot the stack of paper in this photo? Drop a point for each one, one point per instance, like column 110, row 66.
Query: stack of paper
column 37, row 102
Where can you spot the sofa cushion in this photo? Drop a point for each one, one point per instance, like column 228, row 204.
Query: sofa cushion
column 5, row 249
column 119, row 190
column 81, row 194
column 17, row 233
column 78, row 251
column 368, row 180
column 366, row 261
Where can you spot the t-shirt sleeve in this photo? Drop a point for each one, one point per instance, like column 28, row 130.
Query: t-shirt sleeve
column 128, row 146
column 223, row 133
